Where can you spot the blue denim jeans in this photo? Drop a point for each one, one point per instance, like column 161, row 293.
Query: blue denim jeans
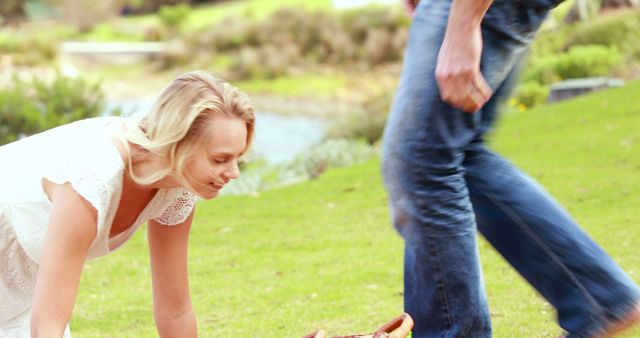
column 444, row 184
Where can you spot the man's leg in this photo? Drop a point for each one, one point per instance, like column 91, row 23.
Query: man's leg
column 423, row 170
column 423, row 173
column 523, row 222
column 430, row 204
column 535, row 235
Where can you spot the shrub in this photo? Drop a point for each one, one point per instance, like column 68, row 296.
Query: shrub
column 228, row 34
column 378, row 47
column 173, row 16
column 328, row 154
column 378, row 31
column 19, row 114
column 358, row 22
column 366, row 124
column 541, row 70
column 551, row 42
column 579, row 61
column 248, row 64
column 321, row 29
column 585, row 61
column 374, row 36
column 531, row 93
column 177, row 53
column 28, row 51
column 155, row 32
column 308, row 165
column 621, row 31
column 65, row 100
column 256, row 176
column 325, row 40
column 28, row 107
column 399, row 41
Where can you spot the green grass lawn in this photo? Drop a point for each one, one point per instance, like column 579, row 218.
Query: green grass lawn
column 323, row 253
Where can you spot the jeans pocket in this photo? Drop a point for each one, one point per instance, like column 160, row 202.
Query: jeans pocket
column 549, row 4
column 525, row 17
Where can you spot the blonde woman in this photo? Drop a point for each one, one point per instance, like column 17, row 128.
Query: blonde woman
column 80, row 191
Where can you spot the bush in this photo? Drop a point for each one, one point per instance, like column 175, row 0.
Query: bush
column 248, row 64
column 27, row 108
column 326, row 41
column 28, row 51
column 359, row 22
column 155, row 32
column 579, row 61
column 371, row 37
column 379, row 33
column 541, row 70
column 65, row 100
column 585, row 61
column 19, row 114
column 530, row 94
column 173, row 16
column 551, row 42
column 308, row 165
column 378, row 47
column 366, row 124
column 177, row 53
column 621, row 31
column 328, row 154
column 230, row 34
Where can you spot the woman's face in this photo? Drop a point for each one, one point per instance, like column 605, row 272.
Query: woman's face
column 217, row 163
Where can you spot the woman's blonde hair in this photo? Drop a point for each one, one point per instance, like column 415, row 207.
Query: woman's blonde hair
column 175, row 127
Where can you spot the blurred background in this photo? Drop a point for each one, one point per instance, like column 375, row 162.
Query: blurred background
column 321, row 73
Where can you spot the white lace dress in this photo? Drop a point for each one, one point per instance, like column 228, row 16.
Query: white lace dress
column 83, row 154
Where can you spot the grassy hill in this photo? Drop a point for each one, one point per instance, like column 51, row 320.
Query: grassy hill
column 323, row 253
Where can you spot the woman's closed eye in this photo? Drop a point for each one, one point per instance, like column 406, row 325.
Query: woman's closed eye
column 219, row 160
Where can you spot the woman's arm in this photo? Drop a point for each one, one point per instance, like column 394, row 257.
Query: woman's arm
column 72, row 229
column 172, row 306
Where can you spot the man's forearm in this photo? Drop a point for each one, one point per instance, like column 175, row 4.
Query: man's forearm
column 458, row 69
column 468, row 13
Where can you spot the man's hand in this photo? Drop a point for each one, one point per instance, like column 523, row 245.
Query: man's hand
column 410, row 6
column 458, row 73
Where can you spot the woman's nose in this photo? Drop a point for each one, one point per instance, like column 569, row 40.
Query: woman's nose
column 232, row 171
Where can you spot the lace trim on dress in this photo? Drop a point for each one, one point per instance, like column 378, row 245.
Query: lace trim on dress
column 179, row 209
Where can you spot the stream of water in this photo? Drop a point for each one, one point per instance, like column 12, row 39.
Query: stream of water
column 278, row 138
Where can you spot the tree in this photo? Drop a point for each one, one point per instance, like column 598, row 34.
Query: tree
column 12, row 11
column 615, row 4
